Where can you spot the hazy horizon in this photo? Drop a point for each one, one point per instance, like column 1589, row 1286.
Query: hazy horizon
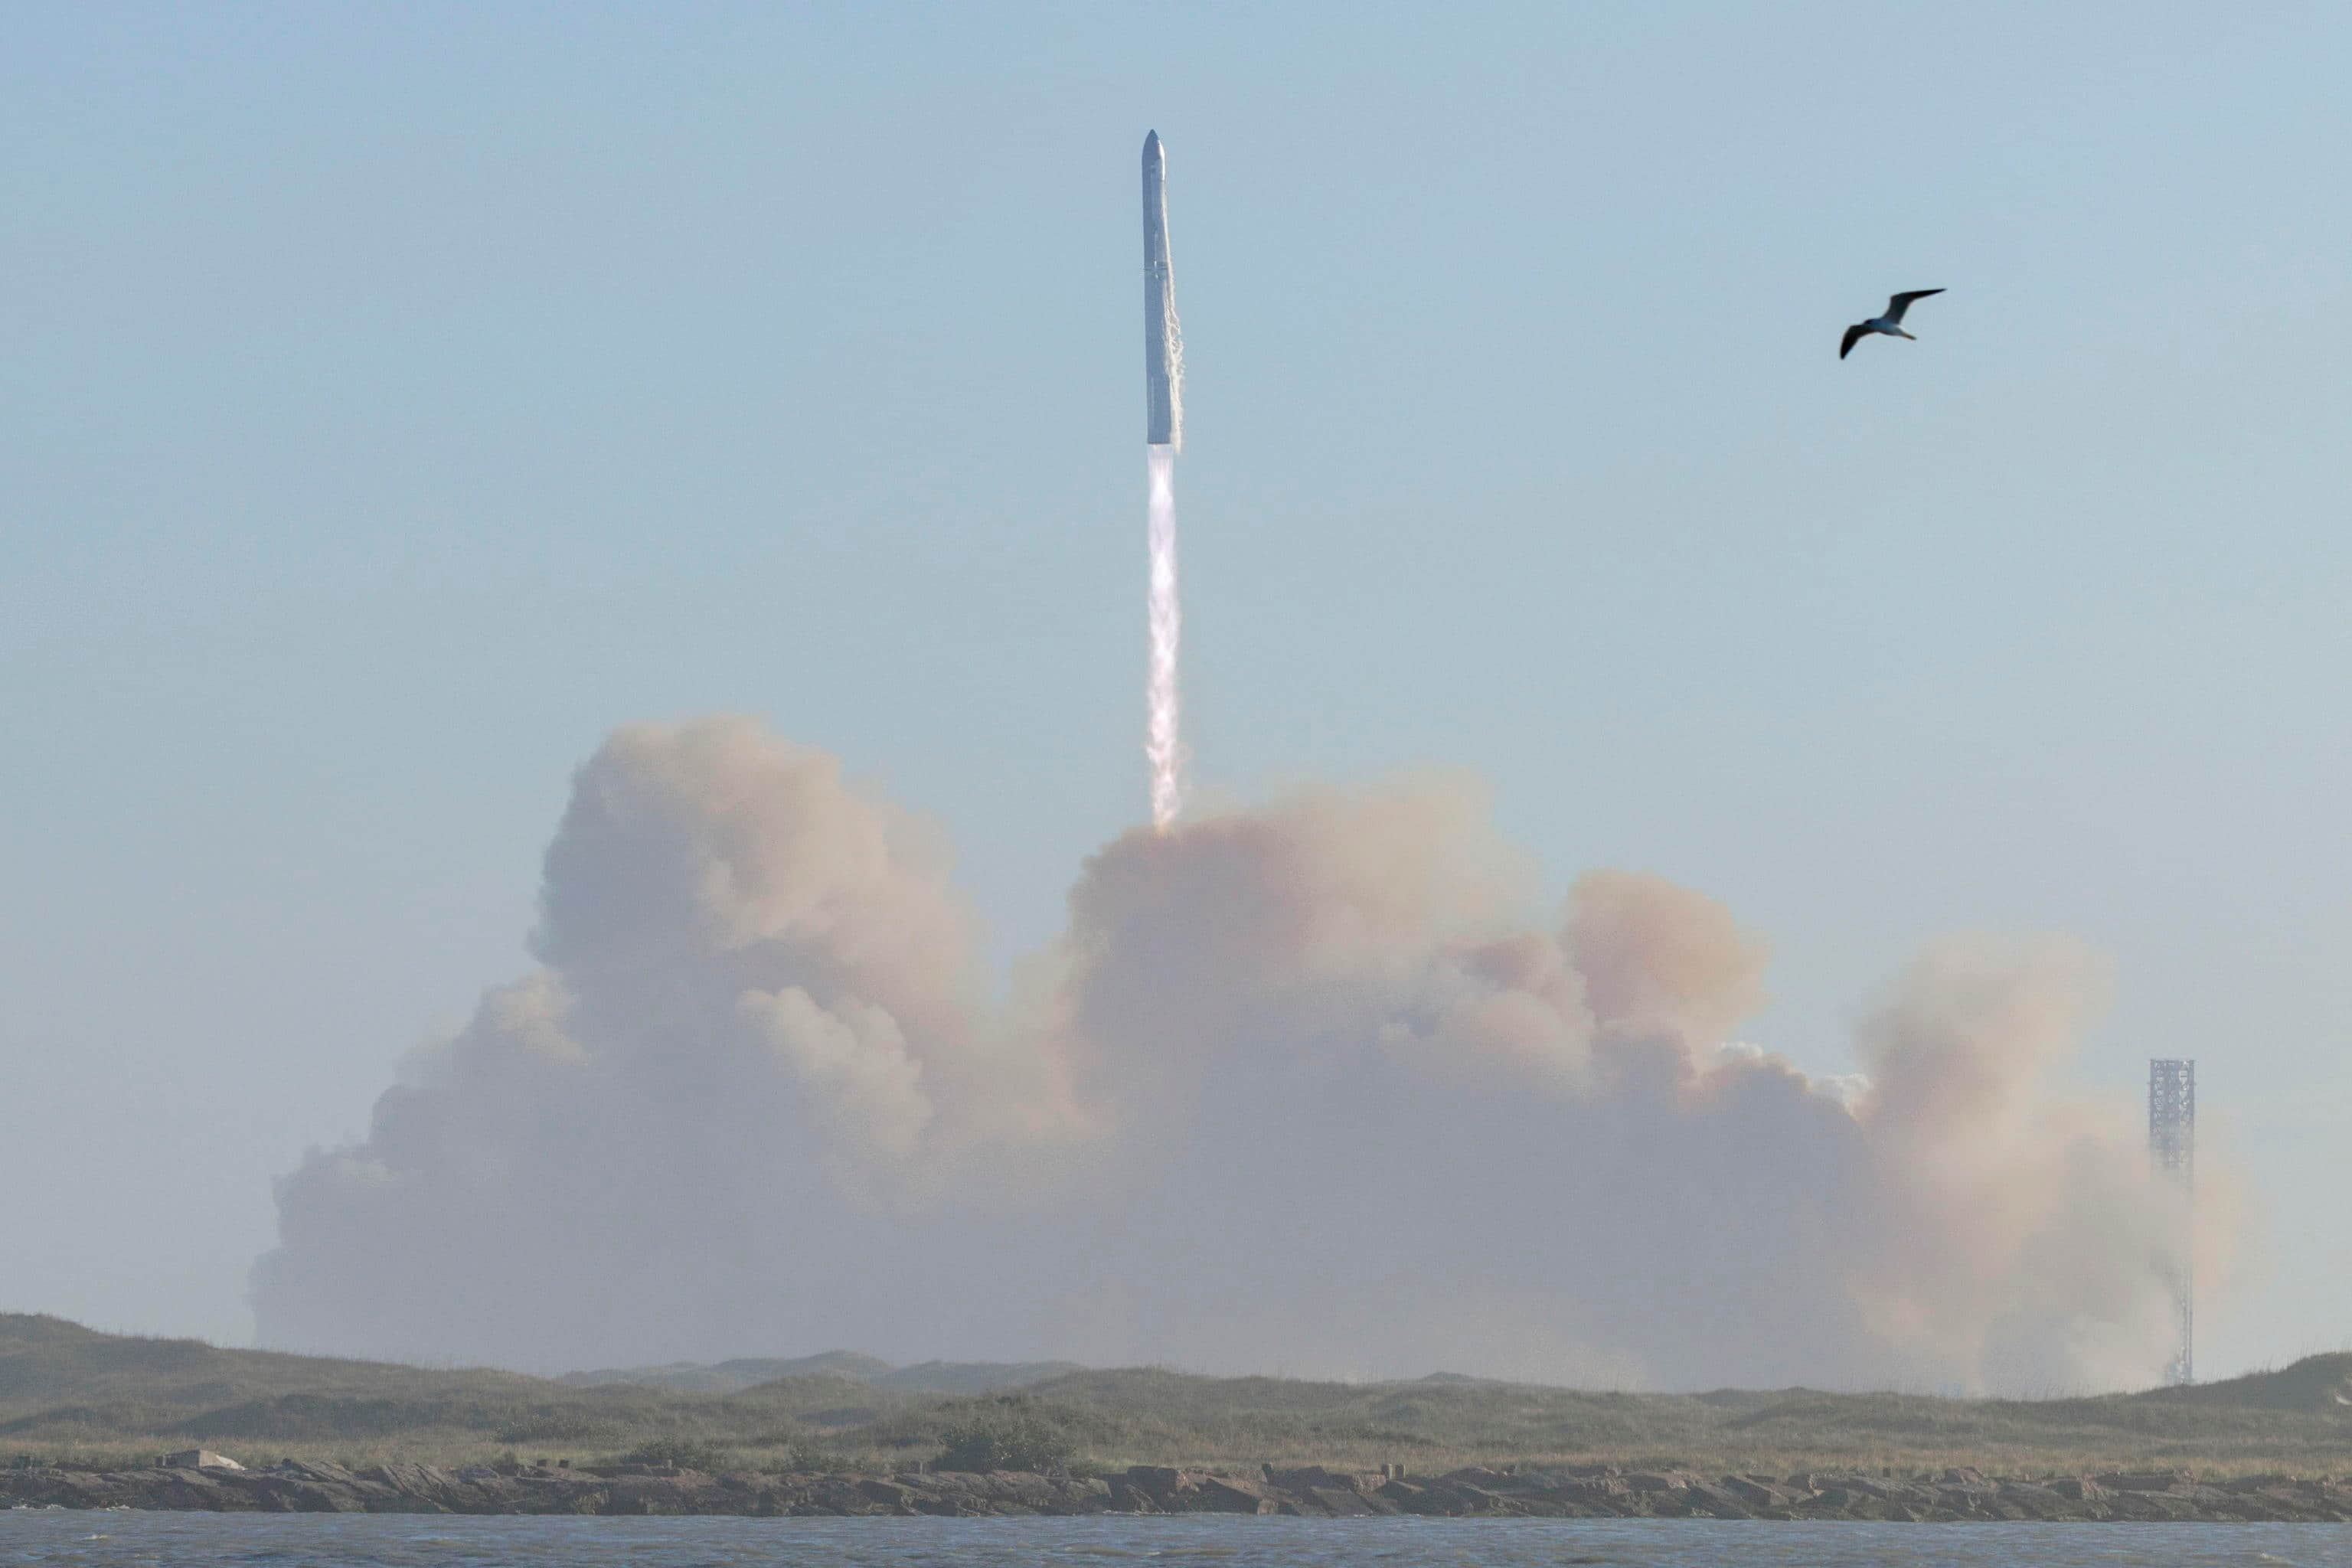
column 421, row 419
column 882, row 1366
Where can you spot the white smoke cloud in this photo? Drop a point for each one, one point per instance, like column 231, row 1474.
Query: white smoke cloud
column 1302, row 1087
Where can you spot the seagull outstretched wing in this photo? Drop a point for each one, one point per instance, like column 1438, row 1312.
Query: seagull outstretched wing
column 1902, row 303
column 1853, row 335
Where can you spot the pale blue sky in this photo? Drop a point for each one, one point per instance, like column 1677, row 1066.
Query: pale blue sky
column 394, row 398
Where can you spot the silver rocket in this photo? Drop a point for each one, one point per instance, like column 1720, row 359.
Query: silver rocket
column 1163, row 341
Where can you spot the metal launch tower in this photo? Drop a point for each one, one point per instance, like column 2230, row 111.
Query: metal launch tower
column 2172, row 1150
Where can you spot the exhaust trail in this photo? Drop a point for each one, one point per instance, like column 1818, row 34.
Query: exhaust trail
column 1163, row 399
column 1162, row 743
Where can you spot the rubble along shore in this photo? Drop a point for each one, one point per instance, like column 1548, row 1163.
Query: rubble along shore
column 1593, row 1492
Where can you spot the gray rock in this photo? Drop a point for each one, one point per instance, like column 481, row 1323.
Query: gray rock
column 1221, row 1494
column 1756, row 1492
column 2143, row 1480
column 1716, row 1502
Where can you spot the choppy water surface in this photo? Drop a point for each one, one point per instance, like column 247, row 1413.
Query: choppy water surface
column 55, row 1540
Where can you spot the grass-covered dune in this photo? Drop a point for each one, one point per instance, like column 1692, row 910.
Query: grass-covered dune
column 69, row 1394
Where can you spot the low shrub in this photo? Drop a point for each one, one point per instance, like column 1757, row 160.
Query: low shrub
column 1008, row 1434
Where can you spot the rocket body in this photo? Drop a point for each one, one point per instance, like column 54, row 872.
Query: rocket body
column 1164, row 342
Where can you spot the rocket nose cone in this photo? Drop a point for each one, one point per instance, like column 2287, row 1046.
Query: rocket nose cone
column 1150, row 144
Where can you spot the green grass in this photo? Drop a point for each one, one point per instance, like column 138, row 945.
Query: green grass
column 69, row 1394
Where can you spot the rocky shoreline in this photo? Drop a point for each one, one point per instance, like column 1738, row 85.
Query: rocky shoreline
column 1584, row 1491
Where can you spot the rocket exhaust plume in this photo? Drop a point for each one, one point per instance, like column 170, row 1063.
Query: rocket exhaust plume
column 1161, row 746
column 1163, row 397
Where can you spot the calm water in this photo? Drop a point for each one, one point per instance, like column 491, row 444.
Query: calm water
column 279, row 1540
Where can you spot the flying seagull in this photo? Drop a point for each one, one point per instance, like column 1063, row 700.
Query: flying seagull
column 1889, row 324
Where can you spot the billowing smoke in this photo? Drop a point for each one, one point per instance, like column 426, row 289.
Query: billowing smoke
column 1300, row 1088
